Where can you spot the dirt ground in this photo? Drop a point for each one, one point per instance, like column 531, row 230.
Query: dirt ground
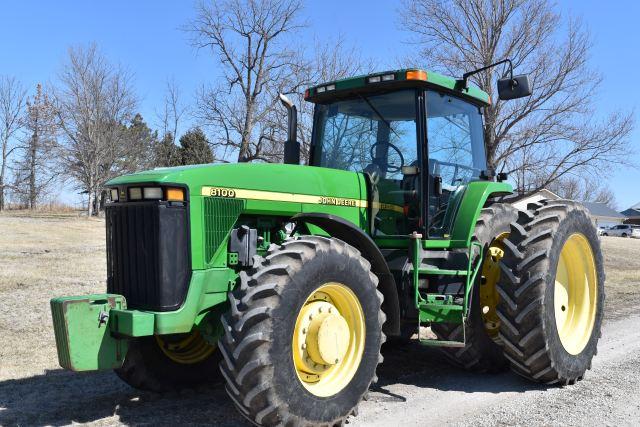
column 52, row 255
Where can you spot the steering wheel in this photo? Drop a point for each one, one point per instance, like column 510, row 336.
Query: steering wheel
column 389, row 167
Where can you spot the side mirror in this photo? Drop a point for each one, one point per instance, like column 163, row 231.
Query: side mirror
column 291, row 145
column 515, row 87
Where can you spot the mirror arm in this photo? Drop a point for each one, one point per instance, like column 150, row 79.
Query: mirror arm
column 465, row 76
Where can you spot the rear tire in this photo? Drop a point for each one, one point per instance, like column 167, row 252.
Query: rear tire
column 263, row 380
column 482, row 352
column 551, row 244
column 147, row 367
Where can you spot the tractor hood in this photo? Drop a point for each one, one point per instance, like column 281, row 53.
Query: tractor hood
column 269, row 181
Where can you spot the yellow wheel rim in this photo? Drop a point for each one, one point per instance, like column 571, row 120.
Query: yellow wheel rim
column 328, row 339
column 187, row 350
column 489, row 296
column 575, row 294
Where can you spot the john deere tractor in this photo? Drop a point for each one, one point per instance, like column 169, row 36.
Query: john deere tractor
column 284, row 280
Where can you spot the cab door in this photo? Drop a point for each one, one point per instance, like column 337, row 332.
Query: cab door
column 455, row 157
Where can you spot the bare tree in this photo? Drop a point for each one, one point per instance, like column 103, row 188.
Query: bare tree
column 172, row 112
column 12, row 99
column 95, row 101
column 584, row 189
column 332, row 60
column 36, row 169
column 551, row 134
column 252, row 41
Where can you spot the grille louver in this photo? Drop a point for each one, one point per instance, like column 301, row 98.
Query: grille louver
column 220, row 215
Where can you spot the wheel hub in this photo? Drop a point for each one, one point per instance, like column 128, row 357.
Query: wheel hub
column 189, row 349
column 328, row 339
column 489, row 297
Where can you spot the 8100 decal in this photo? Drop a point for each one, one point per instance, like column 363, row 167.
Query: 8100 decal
column 222, row 192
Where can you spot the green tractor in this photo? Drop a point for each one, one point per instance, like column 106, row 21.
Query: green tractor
column 283, row 281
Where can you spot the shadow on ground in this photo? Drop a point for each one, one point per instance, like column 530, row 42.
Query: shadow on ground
column 425, row 367
column 59, row 397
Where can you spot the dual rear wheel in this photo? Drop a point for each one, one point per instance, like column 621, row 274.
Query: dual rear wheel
column 539, row 305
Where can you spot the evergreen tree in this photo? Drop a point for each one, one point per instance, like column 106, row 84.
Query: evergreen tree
column 166, row 153
column 194, row 148
column 141, row 142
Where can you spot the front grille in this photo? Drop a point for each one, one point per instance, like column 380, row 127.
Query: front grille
column 220, row 215
column 148, row 257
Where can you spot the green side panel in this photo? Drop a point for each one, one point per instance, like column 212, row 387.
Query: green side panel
column 290, row 180
column 219, row 216
column 132, row 323
column 83, row 341
column 475, row 197
column 207, row 289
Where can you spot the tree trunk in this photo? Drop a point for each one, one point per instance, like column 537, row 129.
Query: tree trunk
column 3, row 168
column 96, row 201
column 32, row 171
column 243, row 156
column 90, row 192
column 2, row 187
column 490, row 139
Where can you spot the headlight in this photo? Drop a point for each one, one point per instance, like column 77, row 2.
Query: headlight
column 114, row 194
column 135, row 193
column 153, row 193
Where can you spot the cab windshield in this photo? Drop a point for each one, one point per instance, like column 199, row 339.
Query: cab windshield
column 375, row 133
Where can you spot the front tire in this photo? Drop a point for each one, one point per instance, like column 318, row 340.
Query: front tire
column 278, row 367
column 552, row 292
column 164, row 364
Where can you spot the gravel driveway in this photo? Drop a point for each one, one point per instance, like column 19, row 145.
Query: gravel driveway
column 416, row 388
column 428, row 393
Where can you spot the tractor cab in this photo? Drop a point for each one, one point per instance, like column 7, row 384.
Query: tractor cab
column 406, row 130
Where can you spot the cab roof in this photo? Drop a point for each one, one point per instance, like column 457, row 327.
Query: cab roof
column 394, row 79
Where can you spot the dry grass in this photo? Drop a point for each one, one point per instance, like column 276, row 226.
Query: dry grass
column 41, row 258
column 62, row 254
column 622, row 267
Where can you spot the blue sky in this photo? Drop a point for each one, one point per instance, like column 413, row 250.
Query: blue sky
column 145, row 37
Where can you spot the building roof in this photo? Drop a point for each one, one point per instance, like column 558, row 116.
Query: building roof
column 602, row 210
column 520, row 202
column 631, row 212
